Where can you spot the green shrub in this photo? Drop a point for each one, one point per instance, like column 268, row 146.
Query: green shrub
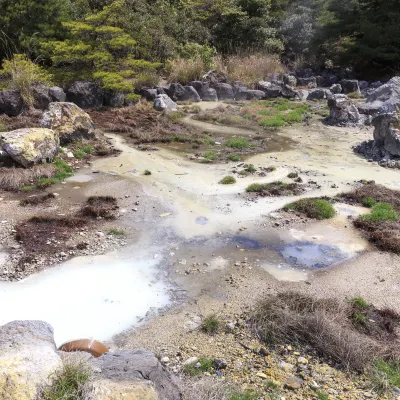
column 210, row 324
column 227, row 180
column 312, row 208
column 368, row 202
column 386, row 374
column 250, row 168
column 205, row 365
column 146, row 172
column 237, row 143
column 132, row 97
column 293, row 175
column 79, row 154
column 22, row 74
column 210, row 155
column 381, row 212
column 256, row 187
column 234, row 157
column 359, row 303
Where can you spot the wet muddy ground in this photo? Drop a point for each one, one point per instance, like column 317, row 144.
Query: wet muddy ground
column 193, row 240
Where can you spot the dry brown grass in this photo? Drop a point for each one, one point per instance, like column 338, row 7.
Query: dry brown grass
column 36, row 200
column 186, row 70
column 326, row 325
column 249, row 69
column 100, row 207
column 28, row 119
column 140, row 124
column 46, row 234
column 378, row 193
column 15, row 178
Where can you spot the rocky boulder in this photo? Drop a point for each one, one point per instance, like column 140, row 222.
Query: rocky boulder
column 11, row 103
column 318, row 94
column 41, row 97
column 386, row 98
column 271, row 90
column 177, row 92
column 310, row 82
column 69, row 122
column 85, row 94
column 288, row 92
column 114, row 99
column 224, row 91
column 57, row 94
column 343, row 111
column 28, row 358
column 304, row 73
column 163, row 102
column 205, row 92
column 134, row 367
column 387, row 132
column 30, row 146
column 350, row 86
column 213, row 77
column 149, row 94
column 290, row 80
column 336, row 88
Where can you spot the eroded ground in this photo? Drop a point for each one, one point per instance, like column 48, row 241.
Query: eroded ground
column 202, row 247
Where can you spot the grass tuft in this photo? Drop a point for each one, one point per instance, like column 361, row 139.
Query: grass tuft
column 71, row 383
column 234, row 157
column 210, row 324
column 196, row 368
column 237, row 143
column 227, row 180
column 381, row 212
column 274, row 189
column 312, row 208
column 117, row 232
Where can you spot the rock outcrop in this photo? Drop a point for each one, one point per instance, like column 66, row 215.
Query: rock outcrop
column 163, row 102
column 133, row 367
column 85, row 94
column 28, row 358
column 271, row 90
column 224, row 91
column 343, row 111
column 385, row 98
column 57, row 94
column 30, row 146
column 69, row 122
column 350, row 86
column 11, row 103
column 178, row 92
column 387, row 132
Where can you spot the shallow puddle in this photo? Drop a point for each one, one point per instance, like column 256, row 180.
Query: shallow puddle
column 312, row 255
column 87, row 297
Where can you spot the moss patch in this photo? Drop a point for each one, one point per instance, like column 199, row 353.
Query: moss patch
column 312, row 208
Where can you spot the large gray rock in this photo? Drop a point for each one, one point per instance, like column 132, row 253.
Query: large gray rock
column 178, row 92
column 310, row 82
column 343, row 111
column 386, row 98
column 41, row 97
column 271, row 90
column 30, row 146
column 289, row 92
column 149, row 94
column 137, row 366
column 85, row 94
column 350, row 86
column 290, row 80
column 213, row 77
column 69, row 121
column 387, row 132
column 114, row 99
column 224, row 91
column 11, row 103
column 318, row 94
column 163, row 102
column 205, row 92
column 336, row 88
column 57, row 94
column 28, row 359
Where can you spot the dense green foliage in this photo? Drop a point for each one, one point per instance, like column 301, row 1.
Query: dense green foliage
column 122, row 43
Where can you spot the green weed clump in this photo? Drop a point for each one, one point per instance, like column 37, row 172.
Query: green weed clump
column 117, row 232
column 234, row 157
column 381, row 212
column 274, row 189
column 210, row 324
column 386, row 375
column 237, row 143
column 227, row 180
column 71, row 383
column 360, row 303
column 79, row 154
column 368, row 202
column 147, row 172
column 312, row 208
column 196, row 368
column 293, row 175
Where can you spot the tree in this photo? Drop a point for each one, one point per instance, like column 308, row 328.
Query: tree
column 24, row 23
column 99, row 48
